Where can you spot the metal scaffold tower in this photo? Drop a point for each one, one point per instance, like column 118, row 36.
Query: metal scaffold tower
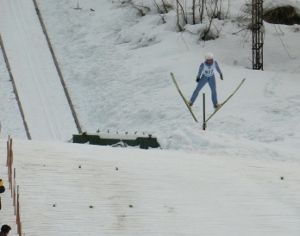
column 257, row 34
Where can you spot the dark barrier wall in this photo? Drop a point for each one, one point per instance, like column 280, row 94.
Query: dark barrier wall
column 142, row 142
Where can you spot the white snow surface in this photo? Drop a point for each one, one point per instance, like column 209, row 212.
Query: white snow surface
column 34, row 73
column 238, row 177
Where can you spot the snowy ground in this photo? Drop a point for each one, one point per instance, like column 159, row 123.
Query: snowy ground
column 222, row 181
column 96, row 190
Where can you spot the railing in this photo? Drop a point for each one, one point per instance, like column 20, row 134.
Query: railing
column 13, row 187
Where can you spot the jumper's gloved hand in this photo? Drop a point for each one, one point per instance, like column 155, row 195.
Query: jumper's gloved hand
column 221, row 77
column 197, row 79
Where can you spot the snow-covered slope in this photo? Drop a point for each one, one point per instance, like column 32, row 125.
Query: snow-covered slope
column 239, row 177
column 72, row 189
column 44, row 103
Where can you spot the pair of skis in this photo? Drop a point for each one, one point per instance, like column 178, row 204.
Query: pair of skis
column 189, row 107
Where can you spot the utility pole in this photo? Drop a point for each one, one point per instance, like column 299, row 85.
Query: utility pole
column 257, row 34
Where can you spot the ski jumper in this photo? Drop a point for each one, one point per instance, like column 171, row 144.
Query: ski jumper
column 206, row 74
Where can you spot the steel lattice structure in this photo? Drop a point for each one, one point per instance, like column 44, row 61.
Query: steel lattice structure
column 257, row 34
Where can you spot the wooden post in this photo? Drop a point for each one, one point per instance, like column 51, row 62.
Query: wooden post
column 14, row 193
column 8, row 145
column 18, row 206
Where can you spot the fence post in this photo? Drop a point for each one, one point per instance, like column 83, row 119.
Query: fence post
column 7, row 144
column 14, row 195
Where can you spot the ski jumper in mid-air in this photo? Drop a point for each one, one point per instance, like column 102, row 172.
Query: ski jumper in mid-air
column 206, row 75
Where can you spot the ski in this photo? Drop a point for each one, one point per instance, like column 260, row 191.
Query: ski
column 183, row 97
column 222, row 104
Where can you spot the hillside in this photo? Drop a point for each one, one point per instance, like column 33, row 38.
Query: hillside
column 238, row 177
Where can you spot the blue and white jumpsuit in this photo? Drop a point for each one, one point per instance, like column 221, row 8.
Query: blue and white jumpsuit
column 206, row 74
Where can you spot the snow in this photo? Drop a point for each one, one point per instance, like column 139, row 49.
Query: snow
column 34, row 73
column 238, row 177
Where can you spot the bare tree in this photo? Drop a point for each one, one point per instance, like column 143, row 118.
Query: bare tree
column 211, row 17
column 194, row 12
column 201, row 9
column 164, row 7
column 183, row 11
column 188, row 12
column 178, row 15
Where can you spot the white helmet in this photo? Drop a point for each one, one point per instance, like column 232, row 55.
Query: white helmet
column 209, row 56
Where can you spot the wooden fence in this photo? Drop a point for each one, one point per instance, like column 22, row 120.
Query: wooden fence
column 13, row 187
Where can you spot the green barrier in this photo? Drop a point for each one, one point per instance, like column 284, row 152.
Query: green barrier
column 113, row 140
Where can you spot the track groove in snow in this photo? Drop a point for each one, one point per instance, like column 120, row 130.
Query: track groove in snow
column 34, row 73
column 30, row 57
